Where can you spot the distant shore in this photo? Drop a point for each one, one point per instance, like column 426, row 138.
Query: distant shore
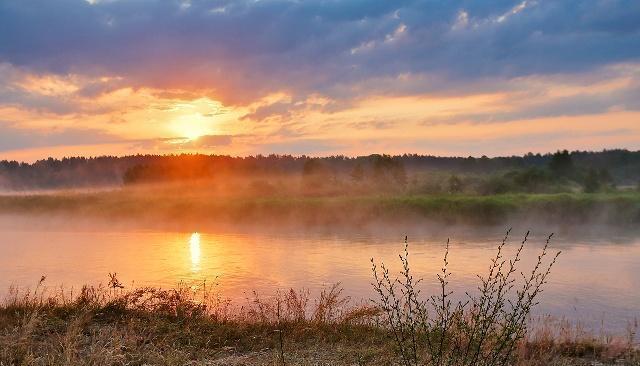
column 620, row 209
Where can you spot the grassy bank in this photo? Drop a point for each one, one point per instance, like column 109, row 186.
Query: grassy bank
column 199, row 206
column 196, row 325
column 103, row 326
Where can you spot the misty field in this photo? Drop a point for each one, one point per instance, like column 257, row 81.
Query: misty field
column 189, row 204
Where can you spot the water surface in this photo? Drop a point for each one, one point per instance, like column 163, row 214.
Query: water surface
column 596, row 280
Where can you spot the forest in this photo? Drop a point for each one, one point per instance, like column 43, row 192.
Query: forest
column 562, row 171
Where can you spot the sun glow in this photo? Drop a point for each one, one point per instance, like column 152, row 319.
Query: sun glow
column 194, row 249
column 192, row 132
column 191, row 127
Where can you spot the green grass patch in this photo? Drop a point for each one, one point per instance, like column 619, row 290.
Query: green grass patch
column 616, row 208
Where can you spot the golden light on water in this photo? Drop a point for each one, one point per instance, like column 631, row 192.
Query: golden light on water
column 194, row 249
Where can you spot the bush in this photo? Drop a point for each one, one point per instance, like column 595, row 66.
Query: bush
column 483, row 330
column 455, row 184
column 496, row 185
column 532, row 180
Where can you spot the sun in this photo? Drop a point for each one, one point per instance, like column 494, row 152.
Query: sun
column 190, row 127
column 191, row 133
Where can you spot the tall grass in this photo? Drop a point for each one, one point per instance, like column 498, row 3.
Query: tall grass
column 175, row 326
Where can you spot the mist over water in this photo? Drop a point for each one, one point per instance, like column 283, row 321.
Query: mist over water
column 596, row 280
column 266, row 232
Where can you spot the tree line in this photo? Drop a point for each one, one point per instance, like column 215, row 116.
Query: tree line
column 592, row 170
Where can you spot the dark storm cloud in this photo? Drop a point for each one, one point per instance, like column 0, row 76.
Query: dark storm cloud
column 242, row 50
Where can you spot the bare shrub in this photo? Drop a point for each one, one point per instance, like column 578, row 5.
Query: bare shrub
column 484, row 329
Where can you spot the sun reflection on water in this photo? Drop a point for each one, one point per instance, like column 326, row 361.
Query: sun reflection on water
column 194, row 248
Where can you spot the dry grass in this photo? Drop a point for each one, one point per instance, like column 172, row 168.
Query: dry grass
column 194, row 325
column 183, row 326
column 111, row 326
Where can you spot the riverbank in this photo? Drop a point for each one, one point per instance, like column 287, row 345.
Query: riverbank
column 176, row 205
column 110, row 325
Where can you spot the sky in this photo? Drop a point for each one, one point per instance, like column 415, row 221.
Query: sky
column 317, row 77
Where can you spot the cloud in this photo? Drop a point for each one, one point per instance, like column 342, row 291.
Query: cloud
column 515, row 144
column 12, row 138
column 291, row 75
column 303, row 147
column 240, row 51
column 182, row 143
column 280, row 109
column 209, row 141
column 594, row 96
